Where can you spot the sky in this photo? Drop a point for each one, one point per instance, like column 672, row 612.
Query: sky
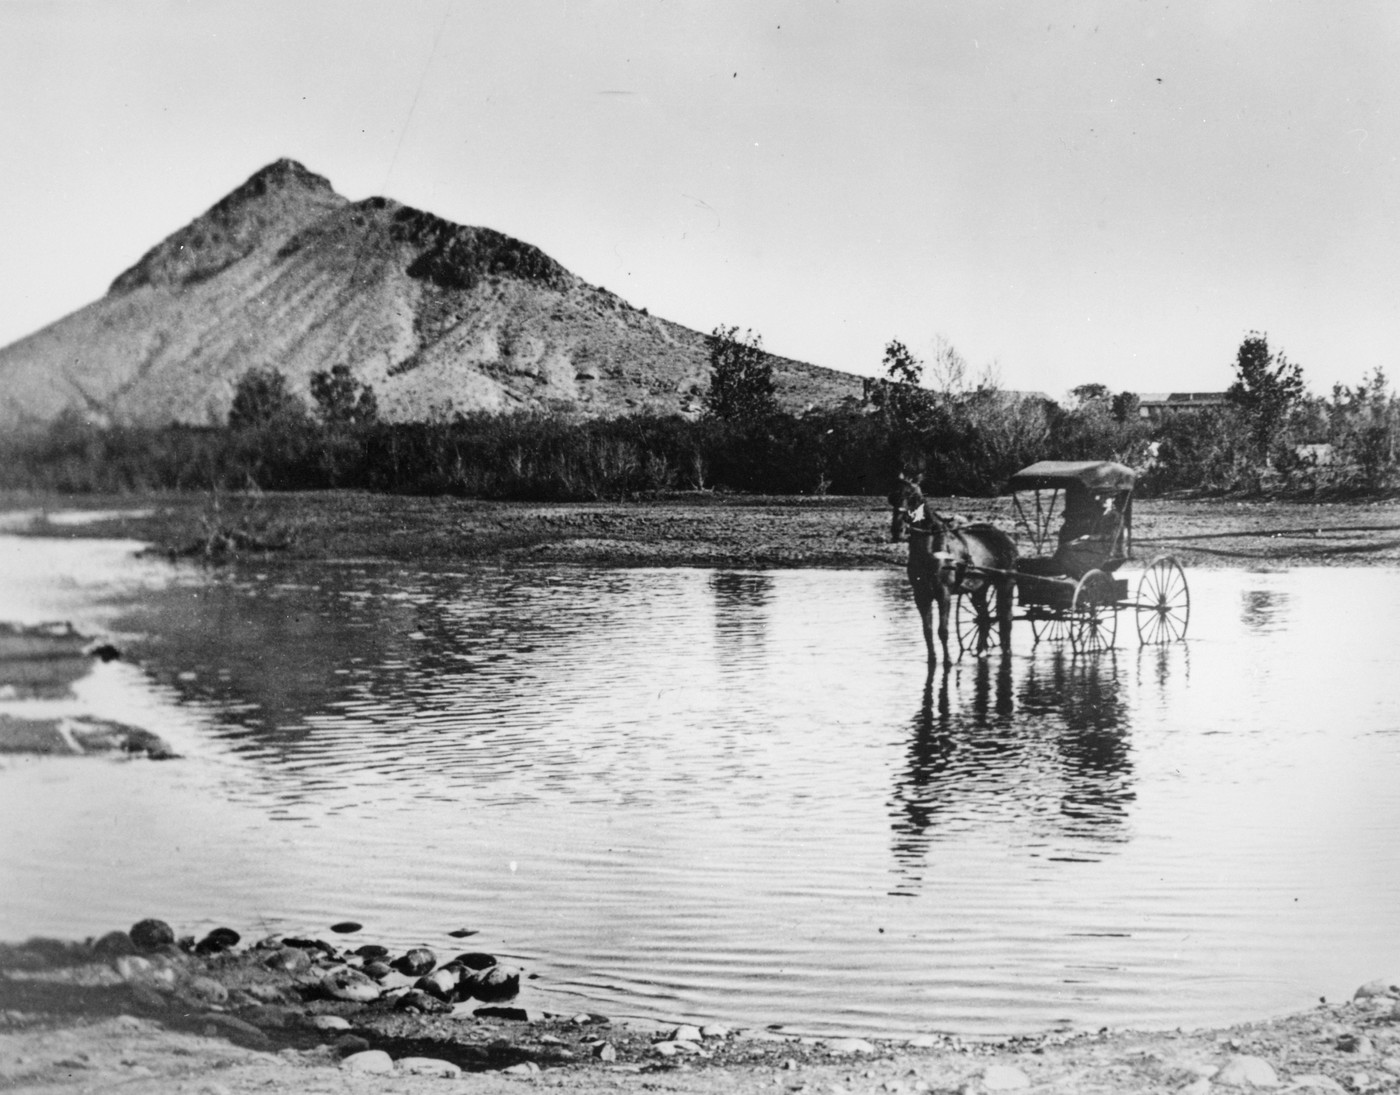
column 1067, row 191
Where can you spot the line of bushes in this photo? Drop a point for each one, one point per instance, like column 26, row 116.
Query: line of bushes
column 961, row 441
column 548, row 457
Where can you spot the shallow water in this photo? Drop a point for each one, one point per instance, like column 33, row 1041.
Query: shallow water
column 728, row 795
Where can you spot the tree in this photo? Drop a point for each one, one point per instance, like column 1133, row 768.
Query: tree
column 901, row 366
column 1364, row 426
column 1126, row 406
column 900, row 397
column 1266, row 389
column 262, row 398
column 741, row 378
column 341, row 400
column 1090, row 393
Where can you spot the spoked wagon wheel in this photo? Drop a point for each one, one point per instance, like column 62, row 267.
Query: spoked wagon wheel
column 1163, row 602
column 1051, row 628
column 1094, row 616
column 972, row 625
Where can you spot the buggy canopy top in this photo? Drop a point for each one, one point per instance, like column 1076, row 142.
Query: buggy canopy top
column 1092, row 475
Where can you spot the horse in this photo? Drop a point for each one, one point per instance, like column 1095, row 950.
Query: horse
column 939, row 554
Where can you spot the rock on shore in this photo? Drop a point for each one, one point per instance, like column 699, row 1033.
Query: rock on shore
column 145, row 1005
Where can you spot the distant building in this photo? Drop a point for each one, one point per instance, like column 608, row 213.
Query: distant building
column 1154, row 406
column 870, row 385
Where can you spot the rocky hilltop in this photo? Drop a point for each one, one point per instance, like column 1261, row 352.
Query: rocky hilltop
column 438, row 317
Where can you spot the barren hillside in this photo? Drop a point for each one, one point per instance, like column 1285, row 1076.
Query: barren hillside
column 437, row 317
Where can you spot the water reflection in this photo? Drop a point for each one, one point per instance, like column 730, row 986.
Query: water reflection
column 1264, row 610
column 1165, row 665
column 741, row 614
column 711, row 784
column 1053, row 750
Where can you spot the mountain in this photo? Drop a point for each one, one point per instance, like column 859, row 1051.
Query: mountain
column 436, row 317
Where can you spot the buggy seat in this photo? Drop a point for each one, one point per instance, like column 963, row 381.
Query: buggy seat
column 1091, row 539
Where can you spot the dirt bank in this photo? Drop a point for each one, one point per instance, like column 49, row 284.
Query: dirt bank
column 687, row 530
column 262, row 1019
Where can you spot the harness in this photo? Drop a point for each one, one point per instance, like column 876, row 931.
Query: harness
column 918, row 520
column 952, row 571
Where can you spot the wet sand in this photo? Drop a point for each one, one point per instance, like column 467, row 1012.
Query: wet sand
column 681, row 530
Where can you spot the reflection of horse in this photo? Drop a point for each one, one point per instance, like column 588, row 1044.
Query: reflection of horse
column 938, row 556
column 1009, row 742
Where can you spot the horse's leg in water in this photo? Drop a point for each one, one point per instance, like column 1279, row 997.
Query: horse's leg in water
column 925, row 593
column 923, row 601
column 1006, row 592
column 940, row 592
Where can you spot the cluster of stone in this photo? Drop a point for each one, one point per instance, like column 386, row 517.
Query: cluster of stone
column 265, row 983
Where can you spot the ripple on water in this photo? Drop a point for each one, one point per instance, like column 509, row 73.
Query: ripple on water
column 729, row 794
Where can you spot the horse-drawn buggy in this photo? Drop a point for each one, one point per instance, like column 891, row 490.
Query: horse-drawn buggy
column 1074, row 521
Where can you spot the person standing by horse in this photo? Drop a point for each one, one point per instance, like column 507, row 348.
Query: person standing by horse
column 939, row 555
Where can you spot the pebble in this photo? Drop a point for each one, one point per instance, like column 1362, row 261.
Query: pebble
column 415, row 962
column 206, row 990
column 288, row 960
column 147, row 935
column 368, row 1060
column 686, row 1034
column 496, row 983
column 328, row 1022
column 345, row 927
column 1243, row 1070
column 345, row 983
column 372, row 952
column 130, row 967
column 440, row 983
column 1356, row 1043
column 218, row 941
column 714, row 1030
column 114, row 945
column 429, row 1066
column 418, row 1000
column 605, row 1051
column 1004, row 1078
column 527, row 1068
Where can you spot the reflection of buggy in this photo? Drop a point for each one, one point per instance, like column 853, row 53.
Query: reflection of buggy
column 1066, row 589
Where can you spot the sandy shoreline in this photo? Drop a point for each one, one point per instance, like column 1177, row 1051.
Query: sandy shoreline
column 683, row 530
column 272, row 1016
